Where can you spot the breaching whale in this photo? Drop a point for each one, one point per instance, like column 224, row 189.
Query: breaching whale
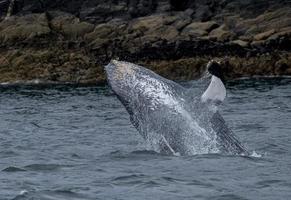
column 168, row 117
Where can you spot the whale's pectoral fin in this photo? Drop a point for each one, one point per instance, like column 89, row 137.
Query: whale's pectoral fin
column 215, row 93
column 227, row 139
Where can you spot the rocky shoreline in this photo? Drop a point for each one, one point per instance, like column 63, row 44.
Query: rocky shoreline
column 71, row 41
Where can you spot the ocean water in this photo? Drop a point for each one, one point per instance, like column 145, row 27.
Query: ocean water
column 76, row 143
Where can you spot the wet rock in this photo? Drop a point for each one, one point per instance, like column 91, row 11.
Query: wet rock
column 258, row 44
column 286, row 32
column 103, row 38
column 3, row 7
column 270, row 20
column 69, row 25
column 264, row 35
column 222, row 34
column 152, row 22
column 240, row 43
column 23, row 28
column 71, row 40
column 102, row 11
column 198, row 29
column 246, row 38
column 51, row 65
column 203, row 13
column 182, row 23
column 148, row 30
column 101, row 31
column 282, row 66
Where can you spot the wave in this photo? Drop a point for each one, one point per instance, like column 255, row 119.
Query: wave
column 45, row 167
column 13, row 169
column 50, row 195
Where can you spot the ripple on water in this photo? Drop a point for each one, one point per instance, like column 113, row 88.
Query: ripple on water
column 45, row 167
column 133, row 155
column 36, row 167
column 8, row 154
column 51, row 195
column 57, row 144
column 268, row 183
column 13, row 169
column 227, row 197
column 133, row 179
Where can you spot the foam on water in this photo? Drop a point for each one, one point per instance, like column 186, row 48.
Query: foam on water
column 23, row 192
column 256, row 155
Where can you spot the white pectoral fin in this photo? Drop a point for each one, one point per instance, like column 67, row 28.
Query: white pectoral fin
column 215, row 93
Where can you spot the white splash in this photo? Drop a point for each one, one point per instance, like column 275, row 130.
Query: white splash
column 255, row 155
column 23, row 192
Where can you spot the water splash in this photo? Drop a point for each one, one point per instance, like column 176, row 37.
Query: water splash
column 256, row 155
column 23, row 192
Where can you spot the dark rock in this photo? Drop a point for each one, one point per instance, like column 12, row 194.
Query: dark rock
column 3, row 8
column 241, row 43
column 24, row 28
column 264, row 35
column 198, row 29
column 68, row 25
column 70, row 41
column 203, row 13
column 222, row 34
column 179, row 5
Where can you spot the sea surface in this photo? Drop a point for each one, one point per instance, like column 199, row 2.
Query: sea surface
column 66, row 142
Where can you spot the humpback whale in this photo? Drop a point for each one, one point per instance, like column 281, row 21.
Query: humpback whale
column 168, row 117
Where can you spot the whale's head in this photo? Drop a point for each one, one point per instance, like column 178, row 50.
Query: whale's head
column 121, row 77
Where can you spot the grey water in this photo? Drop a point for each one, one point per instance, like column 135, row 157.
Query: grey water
column 77, row 143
